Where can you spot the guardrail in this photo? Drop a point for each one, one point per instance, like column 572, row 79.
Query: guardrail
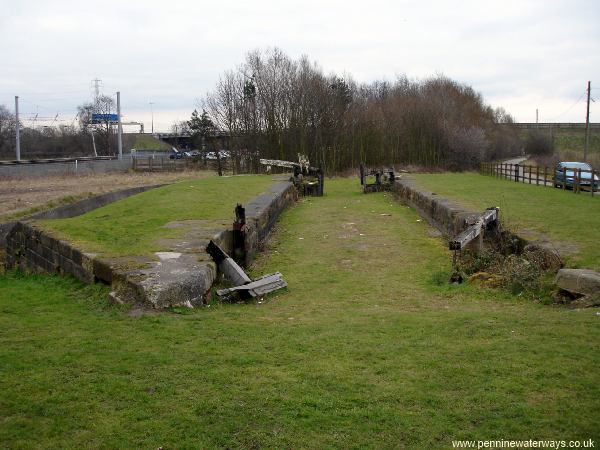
column 56, row 160
column 579, row 180
column 555, row 125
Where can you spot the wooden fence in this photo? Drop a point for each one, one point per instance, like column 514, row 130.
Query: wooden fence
column 580, row 180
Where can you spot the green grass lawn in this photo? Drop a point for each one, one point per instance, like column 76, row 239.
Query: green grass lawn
column 364, row 349
column 570, row 221
column 134, row 225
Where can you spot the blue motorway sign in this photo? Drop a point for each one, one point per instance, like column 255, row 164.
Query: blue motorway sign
column 100, row 118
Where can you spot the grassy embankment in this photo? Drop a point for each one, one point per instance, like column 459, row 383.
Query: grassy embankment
column 145, row 142
column 363, row 350
column 570, row 221
column 134, row 225
column 574, row 140
column 568, row 146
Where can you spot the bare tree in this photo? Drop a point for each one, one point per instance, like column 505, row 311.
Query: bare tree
column 280, row 107
column 7, row 131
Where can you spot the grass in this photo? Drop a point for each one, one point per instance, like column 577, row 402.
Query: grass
column 133, row 226
column 569, row 220
column 21, row 197
column 574, row 140
column 570, row 140
column 146, row 142
column 54, row 203
column 367, row 348
column 568, row 146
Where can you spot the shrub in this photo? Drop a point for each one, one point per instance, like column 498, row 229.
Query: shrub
column 539, row 143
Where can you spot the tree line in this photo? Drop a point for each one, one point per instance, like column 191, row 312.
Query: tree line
column 273, row 106
column 276, row 107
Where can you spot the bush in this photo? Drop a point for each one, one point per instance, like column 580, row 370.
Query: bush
column 539, row 143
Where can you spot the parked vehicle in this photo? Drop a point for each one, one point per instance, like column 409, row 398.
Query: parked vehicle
column 567, row 171
column 223, row 154
column 176, row 154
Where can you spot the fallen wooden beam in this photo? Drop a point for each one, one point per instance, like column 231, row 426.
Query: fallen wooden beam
column 243, row 286
column 476, row 230
column 256, row 288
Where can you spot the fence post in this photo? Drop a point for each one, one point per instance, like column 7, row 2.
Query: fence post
column 545, row 175
column 537, row 175
column 564, row 185
column 517, row 173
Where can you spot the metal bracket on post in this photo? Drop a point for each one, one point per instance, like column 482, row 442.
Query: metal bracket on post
column 307, row 179
column 384, row 179
column 239, row 234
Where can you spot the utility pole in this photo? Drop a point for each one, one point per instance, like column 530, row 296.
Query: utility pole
column 587, row 123
column 120, row 128
column 17, row 129
column 536, row 116
column 152, row 112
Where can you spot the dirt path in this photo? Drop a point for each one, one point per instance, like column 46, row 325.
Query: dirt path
column 19, row 197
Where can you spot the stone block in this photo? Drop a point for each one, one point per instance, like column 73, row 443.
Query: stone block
column 578, row 281
column 102, row 270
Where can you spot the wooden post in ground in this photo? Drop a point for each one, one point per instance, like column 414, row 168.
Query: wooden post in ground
column 537, row 175
column 564, row 185
column 545, row 175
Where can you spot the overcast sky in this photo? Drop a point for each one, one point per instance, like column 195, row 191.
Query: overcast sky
column 521, row 55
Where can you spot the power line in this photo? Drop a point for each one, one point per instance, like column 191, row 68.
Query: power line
column 570, row 108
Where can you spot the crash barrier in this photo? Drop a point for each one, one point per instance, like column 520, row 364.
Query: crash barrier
column 179, row 277
column 15, row 162
column 64, row 167
column 579, row 180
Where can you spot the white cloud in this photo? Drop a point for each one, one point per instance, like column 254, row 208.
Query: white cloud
column 521, row 55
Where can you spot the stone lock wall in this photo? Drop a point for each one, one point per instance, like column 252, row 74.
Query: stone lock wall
column 30, row 248
column 442, row 213
column 262, row 213
column 180, row 277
